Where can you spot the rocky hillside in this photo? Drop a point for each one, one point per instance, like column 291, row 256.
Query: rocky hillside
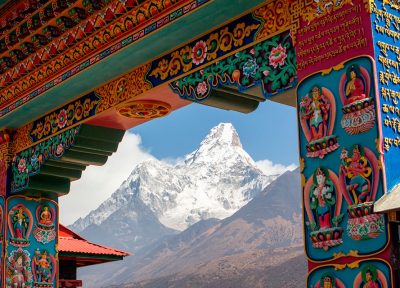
column 157, row 199
column 262, row 235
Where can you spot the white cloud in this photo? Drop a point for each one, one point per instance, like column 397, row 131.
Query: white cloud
column 270, row 168
column 98, row 183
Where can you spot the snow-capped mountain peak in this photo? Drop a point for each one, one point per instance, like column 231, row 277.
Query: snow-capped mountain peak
column 224, row 134
column 214, row 181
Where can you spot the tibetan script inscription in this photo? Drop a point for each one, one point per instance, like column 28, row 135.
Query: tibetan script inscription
column 386, row 29
column 333, row 38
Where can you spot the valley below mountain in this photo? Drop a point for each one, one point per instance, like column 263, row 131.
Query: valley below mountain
column 212, row 220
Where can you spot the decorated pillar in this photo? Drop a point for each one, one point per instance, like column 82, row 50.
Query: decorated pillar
column 6, row 155
column 38, row 172
column 29, row 224
column 347, row 75
column 31, row 258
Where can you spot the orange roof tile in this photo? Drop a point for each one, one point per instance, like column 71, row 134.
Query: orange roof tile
column 69, row 241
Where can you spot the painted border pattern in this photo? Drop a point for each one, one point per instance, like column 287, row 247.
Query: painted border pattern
column 152, row 27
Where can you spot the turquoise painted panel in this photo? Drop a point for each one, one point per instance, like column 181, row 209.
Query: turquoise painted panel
column 369, row 274
column 343, row 175
column 32, row 235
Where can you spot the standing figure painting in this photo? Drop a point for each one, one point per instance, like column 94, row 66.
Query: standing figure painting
column 43, row 267
column 20, row 225
column 317, row 118
column 322, row 202
column 359, row 178
column 18, row 273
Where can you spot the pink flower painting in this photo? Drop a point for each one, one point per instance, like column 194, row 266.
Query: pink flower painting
column 278, row 56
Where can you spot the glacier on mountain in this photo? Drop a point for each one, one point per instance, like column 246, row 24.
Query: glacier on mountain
column 214, row 181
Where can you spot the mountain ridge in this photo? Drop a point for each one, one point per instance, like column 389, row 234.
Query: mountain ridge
column 213, row 181
column 250, row 238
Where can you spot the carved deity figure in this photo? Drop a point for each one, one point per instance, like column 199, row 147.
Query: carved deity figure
column 329, row 280
column 316, row 113
column 44, row 231
column 355, row 88
column 42, row 265
column 357, row 170
column 20, row 223
column 370, row 277
column 45, row 216
column 18, row 269
column 18, row 278
column 322, row 198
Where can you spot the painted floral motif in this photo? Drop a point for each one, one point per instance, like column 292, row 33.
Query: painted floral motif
column 370, row 277
column 203, row 50
column 329, row 280
column 278, row 56
column 20, row 225
column 43, row 268
column 202, row 88
column 21, row 165
column 323, row 202
column 250, row 68
column 44, row 231
column 28, row 162
column 358, row 108
column 363, row 223
column 199, row 52
column 243, row 70
column 359, row 178
column 19, row 272
column 317, row 118
column 64, row 117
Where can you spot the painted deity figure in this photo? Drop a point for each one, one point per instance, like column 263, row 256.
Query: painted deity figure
column 18, row 278
column 18, row 270
column 370, row 278
column 359, row 178
column 355, row 88
column 42, row 267
column 45, row 216
column 369, row 282
column 320, row 202
column 316, row 113
column 359, row 113
column 322, row 198
column 357, row 170
column 20, row 223
column 329, row 280
column 44, row 231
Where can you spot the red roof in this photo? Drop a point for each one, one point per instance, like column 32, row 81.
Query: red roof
column 71, row 242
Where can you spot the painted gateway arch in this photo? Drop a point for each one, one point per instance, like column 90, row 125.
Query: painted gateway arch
column 76, row 74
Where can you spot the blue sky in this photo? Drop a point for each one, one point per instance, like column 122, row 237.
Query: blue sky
column 270, row 132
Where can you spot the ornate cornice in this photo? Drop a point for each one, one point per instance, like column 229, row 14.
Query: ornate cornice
column 86, row 44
